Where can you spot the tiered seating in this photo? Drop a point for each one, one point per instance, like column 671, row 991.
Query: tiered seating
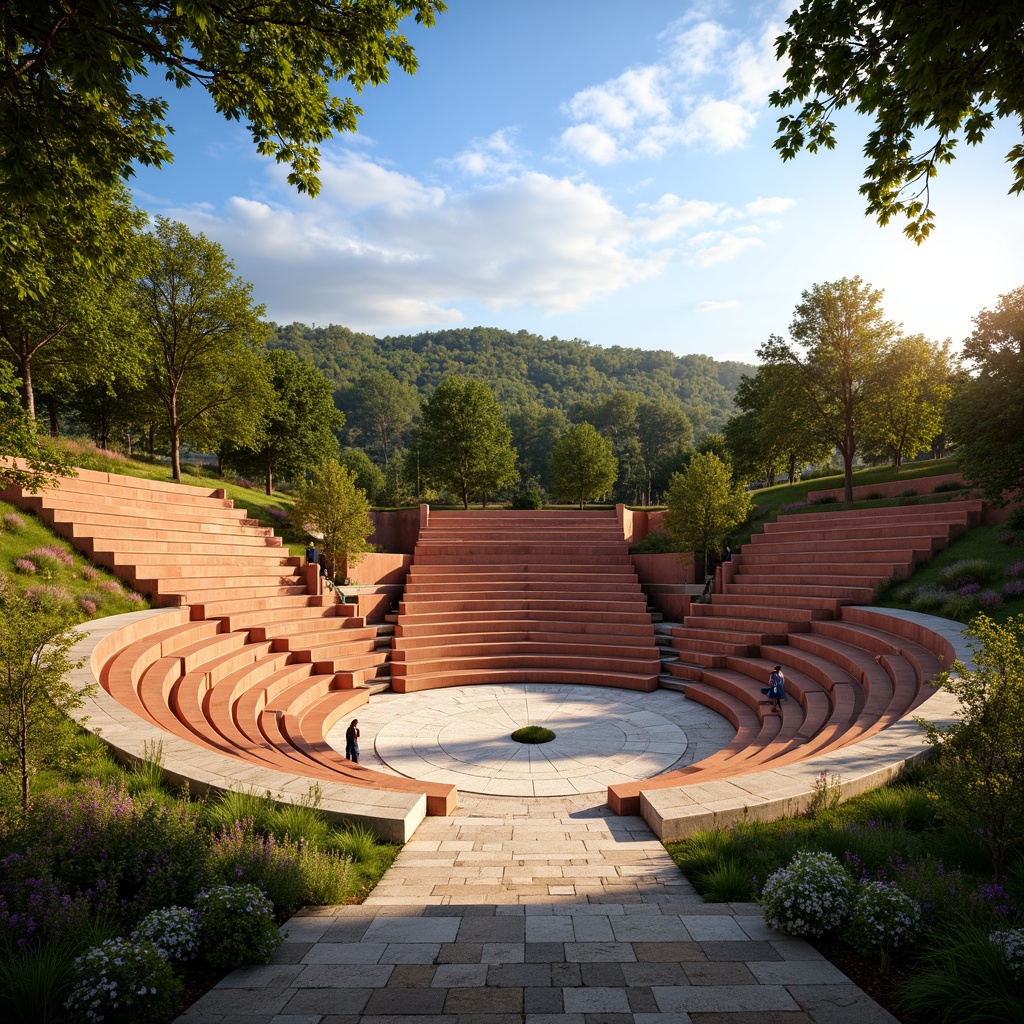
column 850, row 672
column 265, row 668
column 500, row 596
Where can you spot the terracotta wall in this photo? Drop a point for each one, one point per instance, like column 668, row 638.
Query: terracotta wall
column 922, row 484
column 396, row 531
column 381, row 567
column 664, row 579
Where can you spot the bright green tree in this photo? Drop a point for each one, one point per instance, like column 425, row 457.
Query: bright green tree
column 40, row 463
column 463, row 442
column 906, row 414
column 946, row 71
column 842, row 328
column 661, row 428
column 985, row 416
column 300, row 426
column 980, row 775
column 335, row 510
column 369, row 476
column 70, row 113
column 81, row 328
column 583, row 465
column 704, row 504
column 381, row 410
column 36, row 637
column 199, row 321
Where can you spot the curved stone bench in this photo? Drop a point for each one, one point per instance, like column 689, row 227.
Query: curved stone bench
column 392, row 813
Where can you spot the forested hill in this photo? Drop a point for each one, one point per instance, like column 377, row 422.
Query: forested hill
column 523, row 368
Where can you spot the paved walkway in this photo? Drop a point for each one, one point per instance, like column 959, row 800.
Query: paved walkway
column 536, row 911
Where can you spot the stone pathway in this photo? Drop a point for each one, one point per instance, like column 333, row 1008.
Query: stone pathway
column 536, row 911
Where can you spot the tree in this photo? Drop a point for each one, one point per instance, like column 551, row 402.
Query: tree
column 906, row 414
column 334, row 509
column 782, row 433
column 980, row 776
column 841, row 326
column 985, row 416
column 36, row 638
column 41, row 464
column 369, row 476
column 80, row 328
column 67, row 67
column 661, row 427
column 535, row 431
column 382, row 408
column 200, row 322
column 298, row 432
column 947, row 69
column 461, row 435
column 583, row 465
column 704, row 504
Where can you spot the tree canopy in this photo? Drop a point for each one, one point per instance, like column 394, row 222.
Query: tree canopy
column 199, row 322
column 842, row 328
column 583, row 465
column 946, row 71
column 985, row 416
column 463, row 442
column 69, row 108
column 19, row 439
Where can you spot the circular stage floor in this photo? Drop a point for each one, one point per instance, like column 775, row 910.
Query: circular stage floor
column 462, row 735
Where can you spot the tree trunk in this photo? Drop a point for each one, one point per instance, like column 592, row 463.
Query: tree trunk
column 792, row 467
column 847, row 477
column 269, row 475
column 28, row 399
column 151, row 441
column 175, row 455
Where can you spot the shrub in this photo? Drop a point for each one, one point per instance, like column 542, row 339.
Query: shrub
column 134, row 599
column 300, row 822
column 528, row 499
column 1014, row 570
column 243, row 805
column 111, row 586
column 959, row 606
column 241, row 856
column 1013, row 589
column 26, row 566
column 173, row 930
column 1010, row 943
column 875, row 496
column 947, row 487
column 793, row 506
column 1015, row 520
column 810, row 897
column 325, row 877
column 908, row 493
column 967, row 570
column 989, row 600
column 657, row 542
column 884, row 919
column 968, row 588
column 1009, row 539
column 124, row 980
column 727, row 882
column 533, row 734
column 904, row 594
column 51, row 553
column 825, row 499
column 13, row 522
column 928, row 599
column 89, row 572
column 237, row 926
column 87, row 606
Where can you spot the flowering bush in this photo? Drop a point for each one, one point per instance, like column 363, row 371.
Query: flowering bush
column 237, row 926
column 1010, row 943
column 112, row 586
column 124, row 980
column 967, row 570
column 88, row 606
column 26, row 566
column 35, row 908
column 52, row 553
column 810, row 897
column 989, row 600
column 173, row 930
column 240, row 855
column 884, row 918
column 928, row 599
column 968, row 588
column 47, row 596
column 1015, row 588
column 134, row 599
column 14, row 522
column 1015, row 570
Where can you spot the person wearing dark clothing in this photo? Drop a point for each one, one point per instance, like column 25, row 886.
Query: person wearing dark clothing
column 312, row 555
column 776, row 689
column 726, row 552
column 352, row 741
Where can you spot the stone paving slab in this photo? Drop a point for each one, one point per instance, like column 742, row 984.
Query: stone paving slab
column 632, row 943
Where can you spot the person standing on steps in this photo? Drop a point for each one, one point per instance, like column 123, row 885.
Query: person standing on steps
column 777, row 689
column 312, row 555
column 352, row 741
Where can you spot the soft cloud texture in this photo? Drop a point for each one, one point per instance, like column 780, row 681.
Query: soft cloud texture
column 714, row 307
column 384, row 248
column 707, row 90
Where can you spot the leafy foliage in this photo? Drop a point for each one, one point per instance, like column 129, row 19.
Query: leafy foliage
column 237, row 926
column 945, row 70
column 583, row 465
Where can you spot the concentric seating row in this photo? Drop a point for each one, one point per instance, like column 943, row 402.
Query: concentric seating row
column 502, row 596
column 787, row 599
column 257, row 667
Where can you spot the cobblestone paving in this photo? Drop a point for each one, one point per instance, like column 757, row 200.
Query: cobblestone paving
column 536, row 911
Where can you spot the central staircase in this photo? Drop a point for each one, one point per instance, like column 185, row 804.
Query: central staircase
column 523, row 597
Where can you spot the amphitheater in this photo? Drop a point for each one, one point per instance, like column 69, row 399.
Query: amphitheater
column 246, row 670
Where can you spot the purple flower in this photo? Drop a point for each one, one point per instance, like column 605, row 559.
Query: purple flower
column 25, row 566
column 1014, row 570
column 989, row 600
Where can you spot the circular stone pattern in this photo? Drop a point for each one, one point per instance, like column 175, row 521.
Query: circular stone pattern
column 461, row 735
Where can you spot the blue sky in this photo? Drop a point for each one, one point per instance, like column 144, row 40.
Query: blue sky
column 591, row 169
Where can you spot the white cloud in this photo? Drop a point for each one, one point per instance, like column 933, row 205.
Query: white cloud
column 708, row 89
column 494, row 156
column 380, row 249
column 710, row 306
column 768, row 206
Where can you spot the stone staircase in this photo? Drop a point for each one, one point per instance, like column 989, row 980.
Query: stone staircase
column 503, row 596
